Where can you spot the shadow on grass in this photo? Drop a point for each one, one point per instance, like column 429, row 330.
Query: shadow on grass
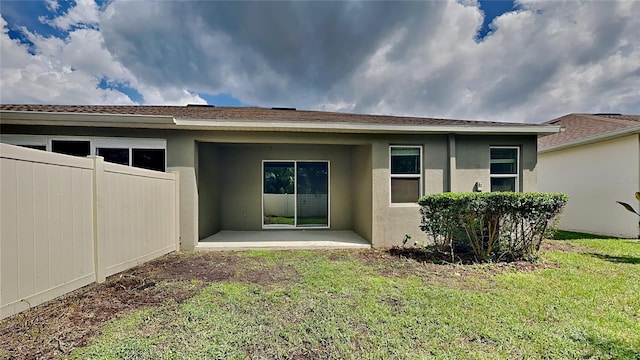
column 615, row 349
column 616, row 259
column 572, row 235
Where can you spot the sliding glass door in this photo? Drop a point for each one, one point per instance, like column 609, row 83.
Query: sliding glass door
column 295, row 194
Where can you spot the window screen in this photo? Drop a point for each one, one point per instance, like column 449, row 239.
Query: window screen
column 406, row 173
column 504, row 168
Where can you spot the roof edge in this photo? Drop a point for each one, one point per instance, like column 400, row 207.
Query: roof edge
column 592, row 139
column 363, row 128
column 9, row 116
column 169, row 122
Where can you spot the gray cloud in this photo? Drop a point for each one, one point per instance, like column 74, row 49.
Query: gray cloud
column 405, row 58
column 305, row 45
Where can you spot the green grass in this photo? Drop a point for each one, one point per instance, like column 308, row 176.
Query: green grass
column 279, row 220
column 584, row 304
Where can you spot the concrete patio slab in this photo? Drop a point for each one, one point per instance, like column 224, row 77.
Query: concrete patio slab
column 283, row 239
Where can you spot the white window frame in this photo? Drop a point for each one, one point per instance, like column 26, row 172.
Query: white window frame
column 25, row 140
column 418, row 176
column 94, row 143
column 516, row 175
column 295, row 194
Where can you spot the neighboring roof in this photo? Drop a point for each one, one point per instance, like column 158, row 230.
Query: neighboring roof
column 588, row 128
column 247, row 118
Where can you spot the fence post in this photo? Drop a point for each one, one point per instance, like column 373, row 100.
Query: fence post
column 98, row 218
column 176, row 208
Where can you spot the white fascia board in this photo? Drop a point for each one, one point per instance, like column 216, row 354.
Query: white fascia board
column 83, row 119
column 592, row 139
column 335, row 127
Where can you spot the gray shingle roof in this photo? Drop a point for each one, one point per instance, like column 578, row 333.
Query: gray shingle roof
column 584, row 126
column 247, row 113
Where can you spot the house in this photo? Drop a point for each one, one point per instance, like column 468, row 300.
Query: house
column 249, row 173
column 596, row 161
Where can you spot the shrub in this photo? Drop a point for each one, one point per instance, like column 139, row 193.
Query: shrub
column 500, row 225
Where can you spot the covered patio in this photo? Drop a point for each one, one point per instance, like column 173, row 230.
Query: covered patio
column 238, row 210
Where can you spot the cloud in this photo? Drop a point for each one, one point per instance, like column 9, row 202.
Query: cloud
column 542, row 60
column 83, row 14
column 46, row 76
column 69, row 70
column 415, row 58
column 52, row 5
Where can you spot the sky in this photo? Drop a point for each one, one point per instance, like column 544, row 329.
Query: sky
column 517, row 61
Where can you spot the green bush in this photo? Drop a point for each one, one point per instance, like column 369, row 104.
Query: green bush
column 498, row 226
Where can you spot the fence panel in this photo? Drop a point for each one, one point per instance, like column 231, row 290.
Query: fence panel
column 68, row 221
column 136, row 216
column 46, row 226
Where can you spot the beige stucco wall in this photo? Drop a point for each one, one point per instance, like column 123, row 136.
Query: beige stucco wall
column 361, row 195
column 391, row 222
column 595, row 176
column 241, row 181
column 472, row 161
column 208, row 189
column 188, row 204
column 228, row 165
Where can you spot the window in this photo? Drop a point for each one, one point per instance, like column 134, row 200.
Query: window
column 138, row 152
column 406, row 173
column 143, row 153
column 295, row 194
column 504, row 168
column 152, row 159
column 37, row 142
column 71, row 147
column 114, row 155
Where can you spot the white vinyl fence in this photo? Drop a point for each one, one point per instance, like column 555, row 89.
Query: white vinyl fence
column 285, row 205
column 67, row 221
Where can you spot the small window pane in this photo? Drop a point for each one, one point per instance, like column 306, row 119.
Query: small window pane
column 405, row 160
column 279, row 177
column 71, row 147
column 504, row 161
column 503, row 184
column 405, row 190
column 152, row 159
column 118, row 156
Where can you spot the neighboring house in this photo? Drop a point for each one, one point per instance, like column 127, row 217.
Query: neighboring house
column 596, row 161
column 259, row 169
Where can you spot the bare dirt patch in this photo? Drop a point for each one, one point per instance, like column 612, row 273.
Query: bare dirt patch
column 559, row 245
column 437, row 269
column 54, row 329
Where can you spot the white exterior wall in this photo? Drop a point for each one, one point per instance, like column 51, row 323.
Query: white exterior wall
column 279, row 204
column 285, row 204
column 66, row 222
column 595, row 176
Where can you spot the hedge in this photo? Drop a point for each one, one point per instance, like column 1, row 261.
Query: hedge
column 497, row 226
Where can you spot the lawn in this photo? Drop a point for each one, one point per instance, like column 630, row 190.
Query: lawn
column 581, row 300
